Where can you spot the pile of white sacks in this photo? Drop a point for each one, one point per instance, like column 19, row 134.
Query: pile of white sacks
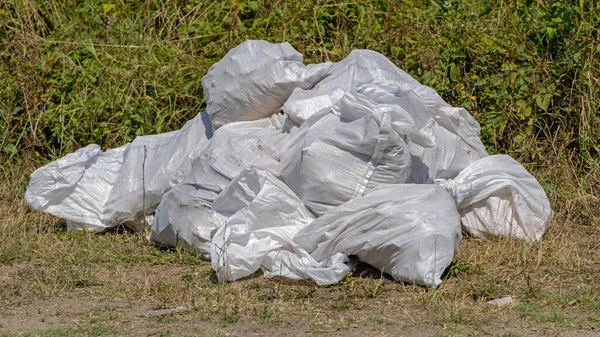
column 301, row 171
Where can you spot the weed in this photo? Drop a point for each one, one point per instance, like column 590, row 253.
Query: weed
column 267, row 315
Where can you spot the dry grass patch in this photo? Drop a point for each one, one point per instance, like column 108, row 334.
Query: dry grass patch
column 554, row 285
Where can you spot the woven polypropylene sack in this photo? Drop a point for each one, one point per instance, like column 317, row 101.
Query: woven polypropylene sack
column 185, row 214
column 359, row 67
column 344, row 151
column 409, row 231
column 258, row 215
column 254, row 79
column 99, row 190
column 497, row 196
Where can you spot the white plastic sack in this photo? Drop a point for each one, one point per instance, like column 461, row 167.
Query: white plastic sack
column 345, row 151
column 184, row 216
column 232, row 149
column 409, row 231
column 497, row 196
column 372, row 74
column 185, row 213
column 104, row 189
column 254, row 79
column 258, row 216
column 457, row 143
column 359, row 67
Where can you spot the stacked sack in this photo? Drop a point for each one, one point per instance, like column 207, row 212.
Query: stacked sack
column 303, row 170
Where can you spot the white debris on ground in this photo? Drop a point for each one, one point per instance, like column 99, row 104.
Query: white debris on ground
column 501, row 301
column 310, row 169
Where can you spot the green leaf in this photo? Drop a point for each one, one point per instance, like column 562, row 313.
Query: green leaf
column 543, row 101
column 508, row 66
column 107, row 8
column 253, row 5
column 10, row 149
column 454, row 73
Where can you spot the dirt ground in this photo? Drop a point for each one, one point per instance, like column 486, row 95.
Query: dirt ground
column 296, row 309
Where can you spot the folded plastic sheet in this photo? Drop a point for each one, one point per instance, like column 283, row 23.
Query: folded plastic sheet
column 100, row 190
column 346, row 150
column 254, row 79
column 497, row 196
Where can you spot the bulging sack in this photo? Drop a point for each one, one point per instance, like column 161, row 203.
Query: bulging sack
column 409, row 231
column 345, row 151
column 257, row 215
column 497, row 196
column 234, row 148
column 185, row 213
column 359, row 67
column 184, row 217
column 454, row 130
column 254, row 79
column 98, row 190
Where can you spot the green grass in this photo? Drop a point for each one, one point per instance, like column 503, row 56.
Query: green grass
column 73, row 73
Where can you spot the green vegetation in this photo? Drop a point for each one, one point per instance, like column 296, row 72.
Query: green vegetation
column 101, row 71
column 105, row 71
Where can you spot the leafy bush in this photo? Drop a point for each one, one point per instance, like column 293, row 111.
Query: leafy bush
column 104, row 71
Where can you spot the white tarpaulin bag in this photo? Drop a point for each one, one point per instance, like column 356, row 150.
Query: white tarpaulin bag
column 409, row 231
column 497, row 196
column 232, row 149
column 359, row 67
column 184, row 216
column 185, row 213
column 258, row 215
column 104, row 189
column 455, row 131
column 372, row 74
column 254, row 79
column 345, row 151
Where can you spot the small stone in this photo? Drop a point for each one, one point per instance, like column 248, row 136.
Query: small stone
column 572, row 303
column 501, row 301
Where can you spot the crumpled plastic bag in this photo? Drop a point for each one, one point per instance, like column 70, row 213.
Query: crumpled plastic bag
column 254, row 79
column 411, row 232
column 184, row 217
column 234, row 148
column 371, row 73
column 454, row 130
column 497, row 196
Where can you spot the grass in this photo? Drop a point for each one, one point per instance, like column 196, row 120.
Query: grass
column 554, row 284
column 104, row 72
